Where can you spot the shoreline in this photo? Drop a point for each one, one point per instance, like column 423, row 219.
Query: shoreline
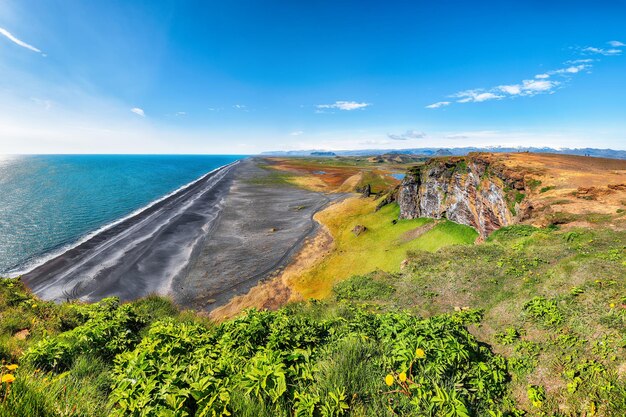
column 259, row 232
column 201, row 245
column 36, row 262
column 61, row 270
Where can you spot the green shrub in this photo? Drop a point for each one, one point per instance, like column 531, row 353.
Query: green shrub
column 108, row 329
column 544, row 311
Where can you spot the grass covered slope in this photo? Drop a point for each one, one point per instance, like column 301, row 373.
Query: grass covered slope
column 383, row 245
column 554, row 305
column 532, row 322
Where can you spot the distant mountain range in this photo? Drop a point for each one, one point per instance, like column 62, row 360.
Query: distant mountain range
column 603, row 153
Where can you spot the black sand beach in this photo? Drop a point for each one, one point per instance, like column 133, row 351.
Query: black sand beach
column 260, row 227
column 202, row 245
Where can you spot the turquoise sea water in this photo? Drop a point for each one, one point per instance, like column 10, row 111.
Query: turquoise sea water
column 50, row 202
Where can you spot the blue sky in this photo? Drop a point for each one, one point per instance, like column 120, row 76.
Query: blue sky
column 236, row 76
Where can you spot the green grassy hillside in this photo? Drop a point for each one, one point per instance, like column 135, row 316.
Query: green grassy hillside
column 531, row 322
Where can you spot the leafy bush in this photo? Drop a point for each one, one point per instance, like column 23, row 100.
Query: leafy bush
column 108, row 329
column 324, row 367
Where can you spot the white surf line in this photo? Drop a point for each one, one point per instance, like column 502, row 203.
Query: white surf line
column 51, row 283
column 36, row 263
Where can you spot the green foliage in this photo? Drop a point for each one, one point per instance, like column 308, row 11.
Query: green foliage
column 533, row 183
column 362, row 287
column 506, row 234
column 509, row 336
column 108, row 329
column 326, row 367
column 546, row 189
column 544, row 311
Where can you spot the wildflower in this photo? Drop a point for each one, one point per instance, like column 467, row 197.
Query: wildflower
column 34, row 306
column 402, row 376
column 612, row 305
column 12, row 367
column 8, row 378
column 419, row 353
column 389, row 380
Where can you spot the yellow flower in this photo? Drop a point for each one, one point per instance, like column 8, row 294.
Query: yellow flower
column 12, row 367
column 8, row 378
column 389, row 380
column 402, row 377
column 612, row 305
column 34, row 305
column 419, row 353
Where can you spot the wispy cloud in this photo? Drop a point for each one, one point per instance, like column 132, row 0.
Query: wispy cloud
column 438, row 104
column 476, row 96
column 541, row 84
column 181, row 113
column 409, row 134
column 601, row 51
column 344, row 105
column 297, row 133
column 138, row 111
column 19, row 42
column 240, row 107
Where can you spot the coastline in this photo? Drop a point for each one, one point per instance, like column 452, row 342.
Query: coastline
column 58, row 277
column 259, row 232
column 203, row 244
column 30, row 266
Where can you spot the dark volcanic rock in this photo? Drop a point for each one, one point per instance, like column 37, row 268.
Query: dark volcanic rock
column 359, row 229
column 365, row 190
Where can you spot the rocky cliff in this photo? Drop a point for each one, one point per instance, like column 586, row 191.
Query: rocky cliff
column 476, row 190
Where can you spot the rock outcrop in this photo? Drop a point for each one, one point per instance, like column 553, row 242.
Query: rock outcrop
column 474, row 190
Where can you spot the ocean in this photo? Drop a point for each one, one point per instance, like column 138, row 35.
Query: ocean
column 50, row 203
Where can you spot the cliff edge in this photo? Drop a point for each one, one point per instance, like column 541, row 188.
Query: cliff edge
column 490, row 191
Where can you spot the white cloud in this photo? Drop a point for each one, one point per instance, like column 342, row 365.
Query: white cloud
column 579, row 61
column 476, row 96
column 181, row 113
column 297, row 133
column 15, row 40
column 531, row 87
column 409, row 134
column 541, row 84
column 138, row 111
column 601, row 51
column 344, row 105
column 438, row 104
column 574, row 69
column 511, row 89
